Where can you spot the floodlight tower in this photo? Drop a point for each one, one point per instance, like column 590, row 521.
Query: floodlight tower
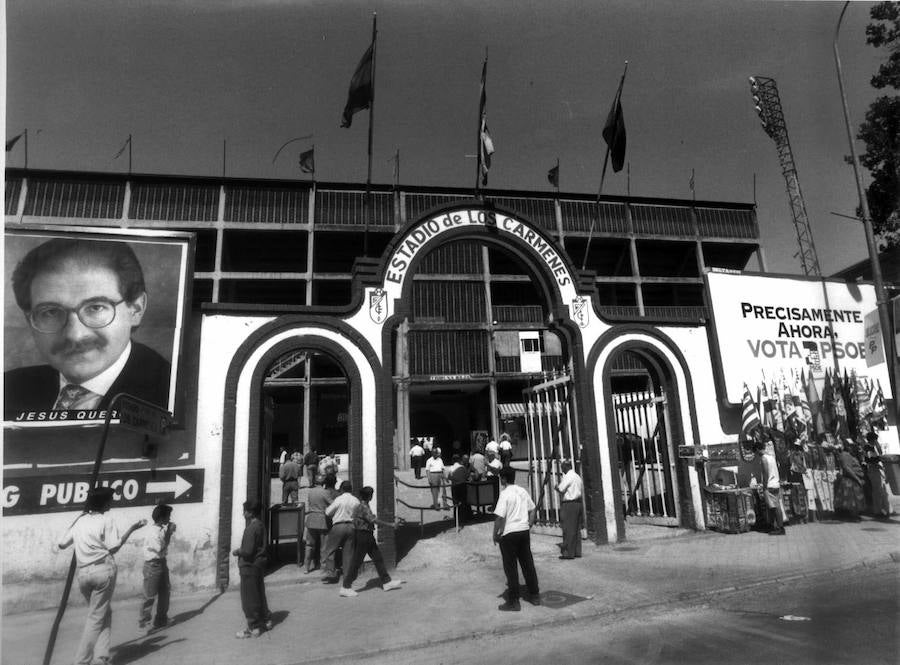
column 768, row 106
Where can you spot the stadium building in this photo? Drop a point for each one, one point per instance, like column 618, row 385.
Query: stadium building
column 312, row 315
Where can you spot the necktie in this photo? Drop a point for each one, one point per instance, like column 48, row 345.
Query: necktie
column 72, row 397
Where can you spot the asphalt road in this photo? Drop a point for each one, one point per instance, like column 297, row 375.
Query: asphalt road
column 853, row 618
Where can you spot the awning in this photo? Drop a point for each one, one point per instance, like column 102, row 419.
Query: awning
column 511, row 410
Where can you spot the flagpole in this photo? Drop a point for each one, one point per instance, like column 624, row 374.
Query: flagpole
column 603, row 173
column 557, row 177
column 129, row 154
column 371, row 124
column 26, row 147
column 224, row 153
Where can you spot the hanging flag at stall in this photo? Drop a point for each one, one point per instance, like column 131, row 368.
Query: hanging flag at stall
column 749, row 415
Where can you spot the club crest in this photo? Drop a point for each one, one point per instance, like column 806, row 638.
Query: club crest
column 581, row 311
column 378, row 310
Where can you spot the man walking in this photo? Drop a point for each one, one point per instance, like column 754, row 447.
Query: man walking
column 340, row 537
column 570, row 490
column 513, row 516
column 96, row 540
column 416, row 457
column 157, row 586
column 317, row 500
column 290, row 473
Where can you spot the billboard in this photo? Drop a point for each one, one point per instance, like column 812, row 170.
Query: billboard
column 765, row 328
column 90, row 313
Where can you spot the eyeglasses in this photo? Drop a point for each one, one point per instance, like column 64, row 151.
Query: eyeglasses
column 94, row 313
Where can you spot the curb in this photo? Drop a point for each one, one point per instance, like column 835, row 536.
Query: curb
column 687, row 599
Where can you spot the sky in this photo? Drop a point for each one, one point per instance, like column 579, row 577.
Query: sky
column 182, row 77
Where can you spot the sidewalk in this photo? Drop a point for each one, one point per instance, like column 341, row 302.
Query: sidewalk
column 453, row 582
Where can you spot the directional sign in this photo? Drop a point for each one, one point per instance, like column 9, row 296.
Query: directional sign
column 143, row 417
column 35, row 495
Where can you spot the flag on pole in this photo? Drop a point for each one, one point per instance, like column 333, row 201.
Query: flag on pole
column 691, row 183
column 553, row 176
column 749, row 415
column 10, row 144
column 485, row 143
column 614, row 133
column 308, row 160
column 359, row 96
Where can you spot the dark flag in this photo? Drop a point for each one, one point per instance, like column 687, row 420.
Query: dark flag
column 614, row 133
column 360, row 95
column 12, row 142
column 749, row 415
column 308, row 160
column 485, row 144
column 553, row 176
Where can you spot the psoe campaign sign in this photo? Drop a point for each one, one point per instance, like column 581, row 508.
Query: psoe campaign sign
column 766, row 328
column 35, row 495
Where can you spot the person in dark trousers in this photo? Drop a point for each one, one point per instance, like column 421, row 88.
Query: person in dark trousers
column 311, row 462
column 416, row 457
column 290, row 473
column 458, row 475
column 317, row 500
column 157, row 587
column 513, row 516
column 96, row 539
column 252, row 561
column 364, row 521
column 571, row 510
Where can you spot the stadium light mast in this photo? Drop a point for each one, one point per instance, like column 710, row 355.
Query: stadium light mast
column 771, row 115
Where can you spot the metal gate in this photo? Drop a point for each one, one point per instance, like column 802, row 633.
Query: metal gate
column 646, row 465
column 549, row 426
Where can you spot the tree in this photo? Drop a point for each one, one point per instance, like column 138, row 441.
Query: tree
column 881, row 130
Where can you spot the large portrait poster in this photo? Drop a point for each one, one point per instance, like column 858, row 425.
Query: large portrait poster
column 791, row 331
column 90, row 313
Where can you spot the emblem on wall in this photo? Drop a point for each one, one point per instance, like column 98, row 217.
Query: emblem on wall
column 378, row 309
column 581, row 311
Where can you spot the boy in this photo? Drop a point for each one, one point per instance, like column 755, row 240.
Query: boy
column 252, row 561
column 156, row 570
column 364, row 543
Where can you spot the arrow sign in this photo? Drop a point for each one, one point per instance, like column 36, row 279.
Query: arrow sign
column 179, row 486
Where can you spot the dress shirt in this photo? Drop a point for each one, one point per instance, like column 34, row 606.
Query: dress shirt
column 156, row 544
column 93, row 534
column 434, row 465
column 341, row 509
column 514, row 504
column 571, row 486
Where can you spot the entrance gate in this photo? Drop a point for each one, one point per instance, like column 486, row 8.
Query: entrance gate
column 645, row 462
column 549, row 426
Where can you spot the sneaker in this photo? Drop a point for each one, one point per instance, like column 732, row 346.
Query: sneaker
column 246, row 633
column 533, row 599
column 510, row 606
column 393, row 584
column 348, row 593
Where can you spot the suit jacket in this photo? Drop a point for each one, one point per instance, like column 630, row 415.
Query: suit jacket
column 145, row 375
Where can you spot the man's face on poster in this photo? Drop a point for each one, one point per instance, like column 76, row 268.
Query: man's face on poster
column 77, row 351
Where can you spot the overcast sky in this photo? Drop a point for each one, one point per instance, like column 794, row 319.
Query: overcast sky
column 182, row 76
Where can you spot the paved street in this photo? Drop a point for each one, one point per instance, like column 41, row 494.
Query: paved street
column 451, row 592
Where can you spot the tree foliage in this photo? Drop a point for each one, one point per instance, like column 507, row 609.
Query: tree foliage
column 881, row 130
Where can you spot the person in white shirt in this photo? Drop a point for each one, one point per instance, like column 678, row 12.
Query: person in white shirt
column 505, row 447
column 571, row 489
column 492, row 447
column 416, row 457
column 340, row 536
column 493, row 465
column 157, row 586
column 513, row 516
column 434, row 469
column 96, row 540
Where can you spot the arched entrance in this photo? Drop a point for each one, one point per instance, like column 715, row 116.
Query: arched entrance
column 306, row 402
column 645, row 407
column 476, row 334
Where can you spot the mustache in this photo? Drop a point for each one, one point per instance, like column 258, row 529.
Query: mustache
column 70, row 348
